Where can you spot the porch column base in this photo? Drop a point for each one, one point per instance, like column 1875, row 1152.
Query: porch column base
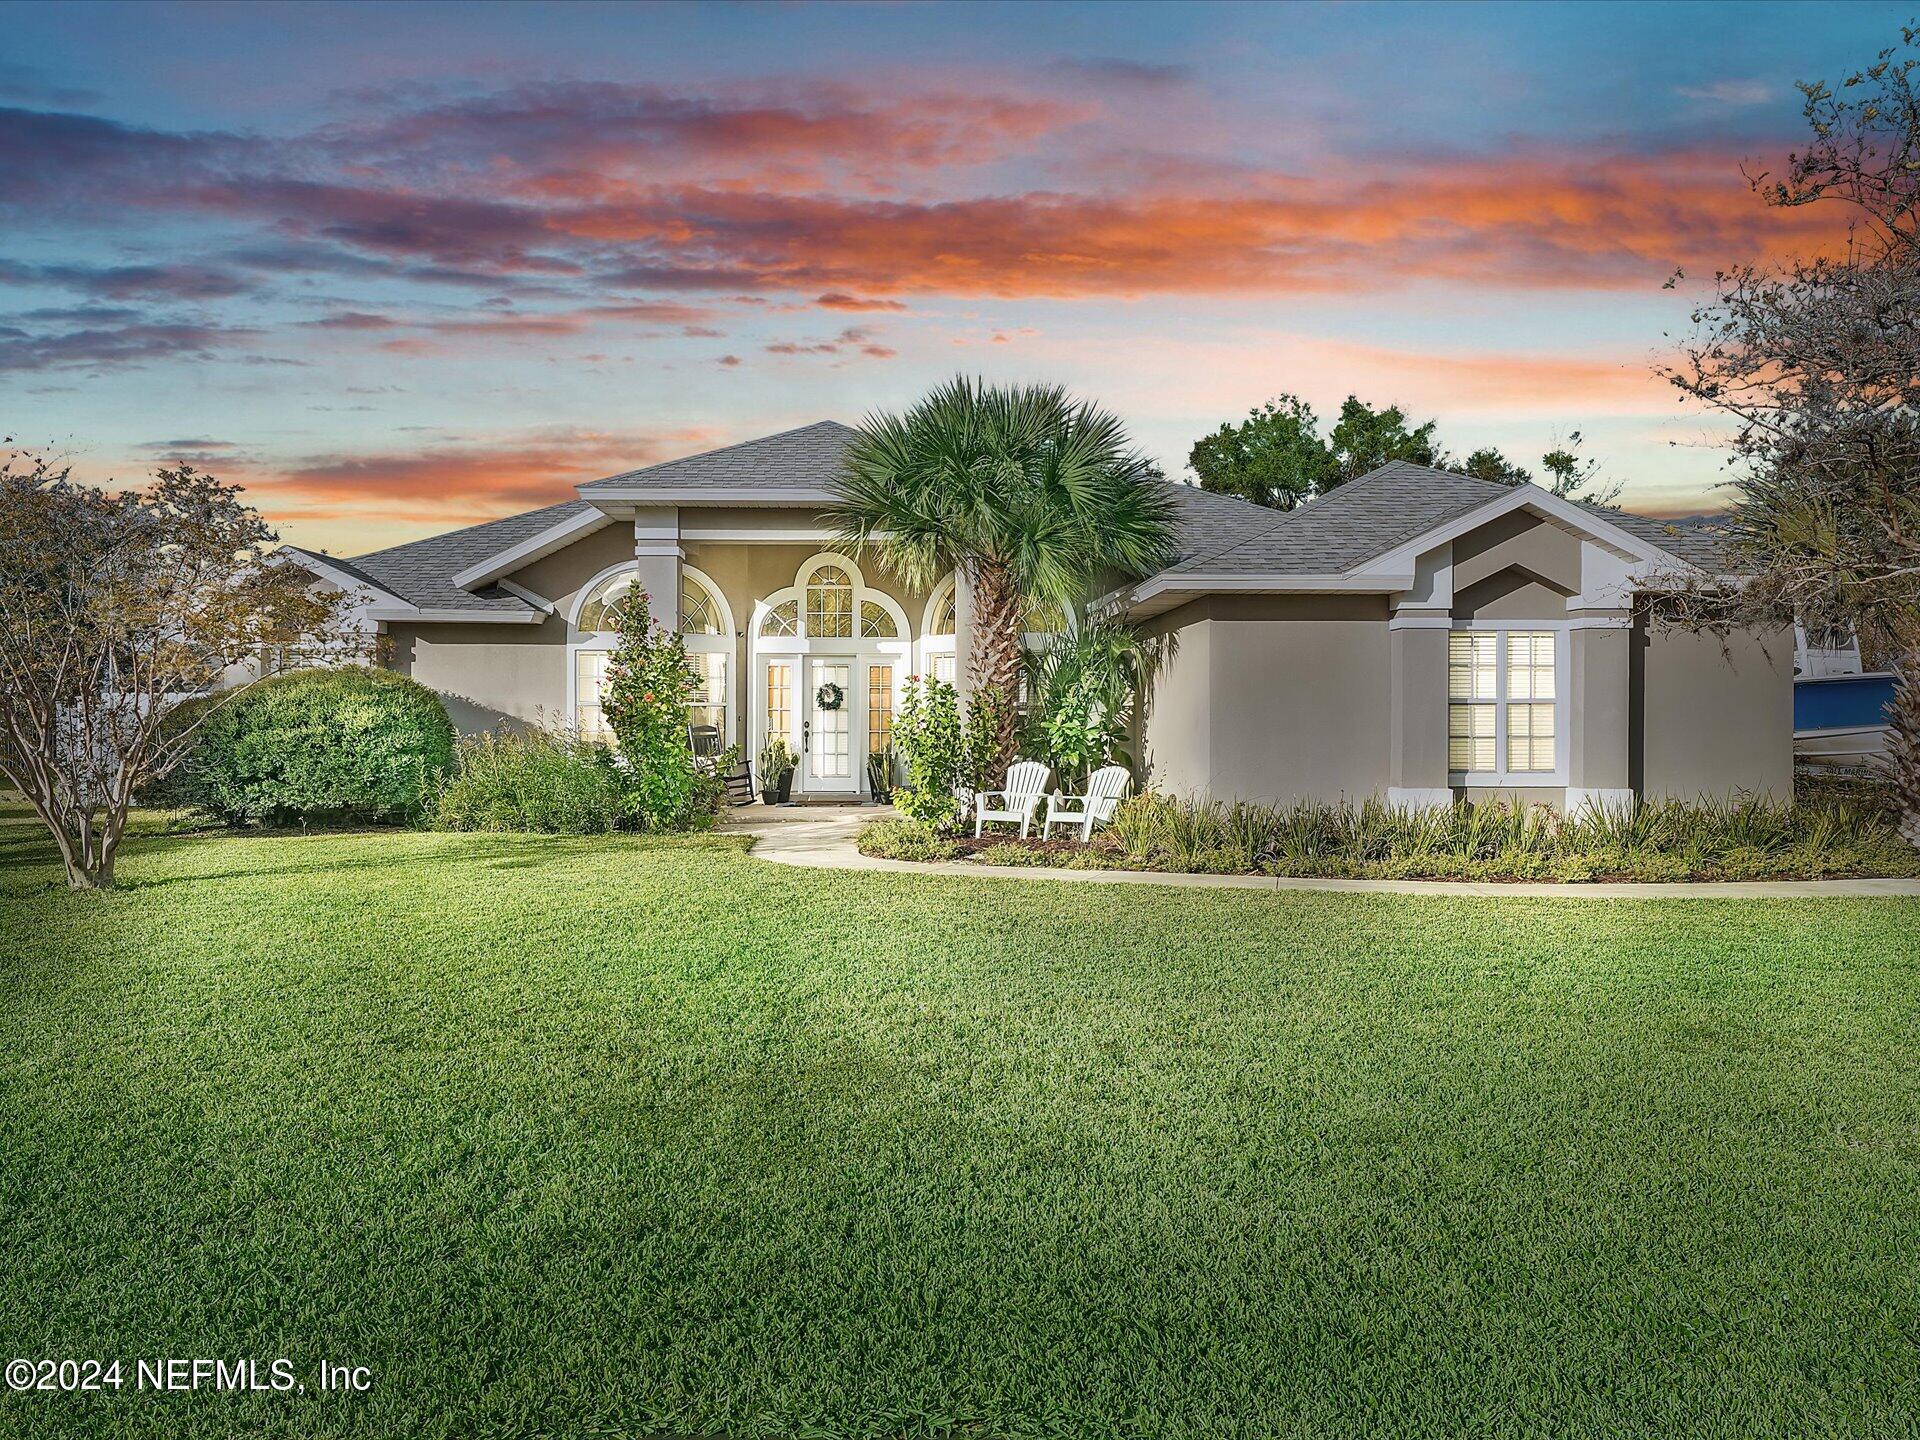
column 1598, row 798
column 1402, row 797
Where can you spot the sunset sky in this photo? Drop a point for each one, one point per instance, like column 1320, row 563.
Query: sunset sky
column 399, row 268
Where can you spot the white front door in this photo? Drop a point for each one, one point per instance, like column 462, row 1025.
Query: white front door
column 828, row 752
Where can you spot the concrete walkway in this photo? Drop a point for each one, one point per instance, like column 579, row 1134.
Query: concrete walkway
column 822, row 837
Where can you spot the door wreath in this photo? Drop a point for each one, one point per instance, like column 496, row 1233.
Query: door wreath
column 829, row 696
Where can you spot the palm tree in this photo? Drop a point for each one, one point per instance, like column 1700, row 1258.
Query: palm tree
column 1027, row 492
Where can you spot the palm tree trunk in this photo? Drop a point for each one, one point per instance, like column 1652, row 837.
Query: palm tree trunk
column 994, row 659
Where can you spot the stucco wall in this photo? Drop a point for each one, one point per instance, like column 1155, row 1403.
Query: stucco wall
column 488, row 675
column 1281, row 698
column 1291, row 694
column 1173, row 745
column 1714, row 723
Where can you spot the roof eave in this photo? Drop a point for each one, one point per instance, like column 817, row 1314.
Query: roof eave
column 768, row 495
column 533, row 548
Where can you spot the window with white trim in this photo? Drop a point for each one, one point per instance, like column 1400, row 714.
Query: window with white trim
column 703, row 630
column 1503, row 704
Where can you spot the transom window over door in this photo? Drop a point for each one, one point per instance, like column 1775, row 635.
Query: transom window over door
column 1503, row 696
column 830, row 604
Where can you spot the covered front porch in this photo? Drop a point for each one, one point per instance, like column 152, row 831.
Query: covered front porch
column 793, row 641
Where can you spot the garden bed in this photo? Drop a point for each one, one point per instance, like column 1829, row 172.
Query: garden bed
column 1826, row 838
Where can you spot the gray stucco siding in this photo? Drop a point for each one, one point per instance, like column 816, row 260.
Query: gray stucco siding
column 1713, row 720
column 488, row 675
column 1273, row 698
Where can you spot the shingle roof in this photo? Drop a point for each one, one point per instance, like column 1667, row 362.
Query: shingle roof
column 1361, row 519
column 1383, row 509
column 421, row 573
column 806, row 459
column 1695, row 543
column 1218, row 534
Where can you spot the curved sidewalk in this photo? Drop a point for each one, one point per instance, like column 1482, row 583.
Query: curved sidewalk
column 824, row 839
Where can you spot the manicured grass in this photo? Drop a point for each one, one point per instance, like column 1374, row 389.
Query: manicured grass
column 568, row 1137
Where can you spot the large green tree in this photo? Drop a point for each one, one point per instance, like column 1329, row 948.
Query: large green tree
column 1274, row 457
column 1363, row 439
column 1278, row 457
column 1024, row 490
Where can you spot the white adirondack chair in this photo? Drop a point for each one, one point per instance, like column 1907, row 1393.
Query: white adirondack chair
column 1104, row 789
column 1026, row 781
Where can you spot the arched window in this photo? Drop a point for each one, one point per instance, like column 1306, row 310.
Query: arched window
column 938, row 641
column 782, row 619
column 595, row 610
column 876, row 622
column 706, row 625
column 830, row 604
column 700, row 612
column 1044, row 617
column 943, row 621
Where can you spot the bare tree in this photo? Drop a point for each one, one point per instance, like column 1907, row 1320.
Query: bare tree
column 1818, row 362
column 114, row 605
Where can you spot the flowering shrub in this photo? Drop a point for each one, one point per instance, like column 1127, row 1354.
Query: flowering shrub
column 649, row 681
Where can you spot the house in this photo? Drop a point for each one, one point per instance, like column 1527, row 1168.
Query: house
column 1415, row 634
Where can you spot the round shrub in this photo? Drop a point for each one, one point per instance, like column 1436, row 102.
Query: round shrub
column 327, row 745
column 548, row 784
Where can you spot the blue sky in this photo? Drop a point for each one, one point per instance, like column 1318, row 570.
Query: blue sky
column 403, row 267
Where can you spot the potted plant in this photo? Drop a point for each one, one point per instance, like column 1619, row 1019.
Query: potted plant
column 776, row 771
column 880, row 776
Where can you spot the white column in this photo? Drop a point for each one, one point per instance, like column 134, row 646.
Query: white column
column 657, row 555
column 962, row 634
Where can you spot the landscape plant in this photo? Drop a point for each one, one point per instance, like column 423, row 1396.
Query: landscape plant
column 1083, row 689
column 945, row 753
column 1817, row 362
column 931, row 743
column 776, row 769
column 1731, row 839
column 114, row 606
column 349, row 743
column 1026, row 492
column 533, row 781
column 649, row 682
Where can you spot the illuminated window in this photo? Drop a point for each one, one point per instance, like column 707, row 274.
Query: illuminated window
column 879, row 708
column 779, row 700
column 1502, row 699
column 830, row 604
column 708, row 703
column 589, row 681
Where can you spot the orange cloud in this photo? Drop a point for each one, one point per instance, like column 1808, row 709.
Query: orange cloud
column 1529, row 221
column 462, row 483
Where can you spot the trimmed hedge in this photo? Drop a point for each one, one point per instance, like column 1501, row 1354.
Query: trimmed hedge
column 534, row 781
column 348, row 744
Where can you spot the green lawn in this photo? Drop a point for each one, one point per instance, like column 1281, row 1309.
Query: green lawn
column 568, row 1137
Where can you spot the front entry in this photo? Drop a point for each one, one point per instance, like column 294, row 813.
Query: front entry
column 827, row 733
